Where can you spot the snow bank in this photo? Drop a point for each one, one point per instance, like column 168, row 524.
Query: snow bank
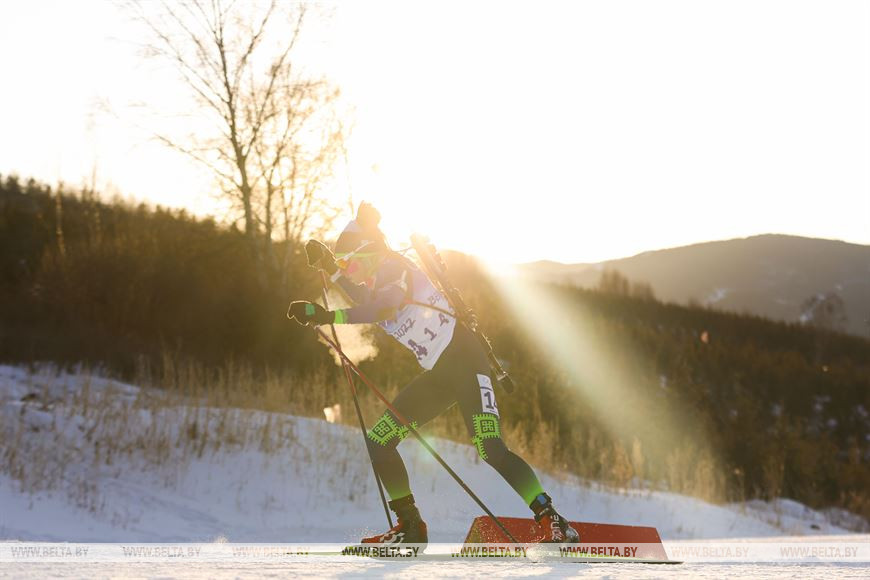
column 112, row 467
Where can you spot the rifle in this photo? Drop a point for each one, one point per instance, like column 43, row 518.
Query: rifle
column 436, row 269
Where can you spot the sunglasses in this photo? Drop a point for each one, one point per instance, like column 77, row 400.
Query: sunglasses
column 344, row 261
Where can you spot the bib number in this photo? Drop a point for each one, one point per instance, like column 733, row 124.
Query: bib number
column 487, row 395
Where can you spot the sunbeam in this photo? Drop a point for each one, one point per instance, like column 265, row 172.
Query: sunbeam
column 619, row 385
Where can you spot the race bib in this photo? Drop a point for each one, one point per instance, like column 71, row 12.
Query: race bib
column 487, row 395
column 424, row 330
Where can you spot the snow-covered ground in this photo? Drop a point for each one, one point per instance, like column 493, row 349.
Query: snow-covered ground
column 93, row 460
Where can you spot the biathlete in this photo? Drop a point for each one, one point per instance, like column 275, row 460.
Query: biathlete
column 390, row 290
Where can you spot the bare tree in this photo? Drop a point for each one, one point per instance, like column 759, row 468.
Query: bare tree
column 276, row 135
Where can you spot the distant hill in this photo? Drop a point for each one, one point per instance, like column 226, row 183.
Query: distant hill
column 768, row 275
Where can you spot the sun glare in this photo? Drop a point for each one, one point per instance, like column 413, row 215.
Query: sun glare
column 410, row 201
column 609, row 378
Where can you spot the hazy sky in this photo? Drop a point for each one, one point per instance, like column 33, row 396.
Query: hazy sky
column 574, row 131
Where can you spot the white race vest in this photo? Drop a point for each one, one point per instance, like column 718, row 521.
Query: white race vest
column 424, row 331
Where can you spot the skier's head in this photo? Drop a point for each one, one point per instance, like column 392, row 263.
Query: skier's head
column 362, row 245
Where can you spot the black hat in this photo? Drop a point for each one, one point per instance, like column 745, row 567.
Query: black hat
column 361, row 232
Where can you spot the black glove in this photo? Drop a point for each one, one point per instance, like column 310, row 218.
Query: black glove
column 319, row 256
column 307, row 312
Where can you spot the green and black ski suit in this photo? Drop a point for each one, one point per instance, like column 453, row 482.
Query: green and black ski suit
column 403, row 301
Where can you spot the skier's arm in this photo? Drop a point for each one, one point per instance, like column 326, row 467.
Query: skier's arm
column 379, row 304
column 358, row 293
column 382, row 306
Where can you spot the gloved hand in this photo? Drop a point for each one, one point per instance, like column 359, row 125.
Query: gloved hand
column 319, row 256
column 307, row 312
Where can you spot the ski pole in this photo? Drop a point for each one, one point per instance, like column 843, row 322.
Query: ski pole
column 416, row 434
column 359, row 415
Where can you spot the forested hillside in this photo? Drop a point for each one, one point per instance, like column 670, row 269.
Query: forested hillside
column 776, row 276
column 614, row 386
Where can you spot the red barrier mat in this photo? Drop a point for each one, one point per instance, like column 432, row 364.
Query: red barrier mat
column 632, row 541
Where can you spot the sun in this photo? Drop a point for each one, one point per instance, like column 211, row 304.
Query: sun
column 399, row 184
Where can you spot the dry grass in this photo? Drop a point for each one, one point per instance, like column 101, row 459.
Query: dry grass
column 183, row 411
column 60, row 437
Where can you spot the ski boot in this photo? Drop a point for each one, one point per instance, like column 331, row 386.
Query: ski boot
column 410, row 528
column 553, row 527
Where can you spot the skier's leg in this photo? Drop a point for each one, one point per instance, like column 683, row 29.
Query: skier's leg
column 473, row 389
column 419, row 402
column 479, row 409
column 481, row 416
